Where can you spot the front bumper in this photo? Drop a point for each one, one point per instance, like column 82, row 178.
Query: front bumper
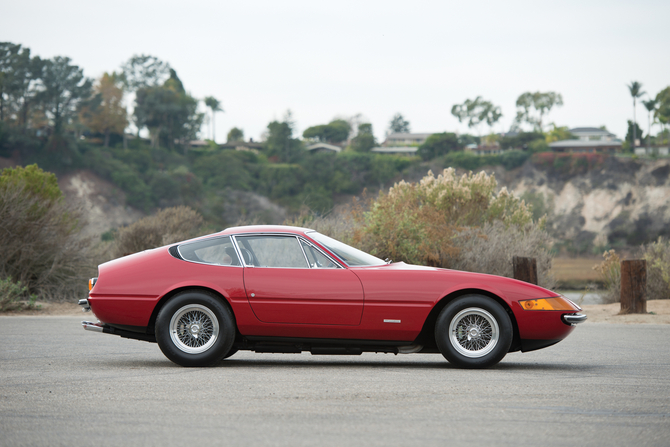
column 573, row 319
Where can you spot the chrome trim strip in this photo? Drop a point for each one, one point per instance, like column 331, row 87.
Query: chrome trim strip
column 209, row 263
column 311, row 244
column 90, row 326
column 391, row 321
column 574, row 318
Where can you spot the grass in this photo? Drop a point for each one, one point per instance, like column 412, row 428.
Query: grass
column 575, row 273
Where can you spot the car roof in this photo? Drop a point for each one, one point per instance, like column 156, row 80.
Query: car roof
column 265, row 229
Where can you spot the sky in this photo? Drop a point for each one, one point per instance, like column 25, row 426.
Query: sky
column 324, row 59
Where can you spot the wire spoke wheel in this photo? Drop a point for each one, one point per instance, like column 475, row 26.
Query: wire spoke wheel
column 194, row 328
column 474, row 332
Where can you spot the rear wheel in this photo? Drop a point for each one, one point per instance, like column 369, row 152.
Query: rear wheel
column 195, row 328
column 473, row 331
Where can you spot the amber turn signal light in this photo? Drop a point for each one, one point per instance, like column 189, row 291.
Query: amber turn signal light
column 557, row 303
column 91, row 283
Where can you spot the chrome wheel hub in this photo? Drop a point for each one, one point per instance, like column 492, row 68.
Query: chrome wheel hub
column 474, row 332
column 194, row 329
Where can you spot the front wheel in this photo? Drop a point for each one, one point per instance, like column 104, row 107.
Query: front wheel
column 195, row 329
column 473, row 331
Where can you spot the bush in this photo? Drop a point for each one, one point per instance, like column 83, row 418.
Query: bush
column 418, row 222
column 490, row 249
column 657, row 255
column 14, row 296
column 40, row 242
column 610, row 272
column 165, row 227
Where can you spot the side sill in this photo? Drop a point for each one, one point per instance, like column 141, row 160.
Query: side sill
column 533, row 345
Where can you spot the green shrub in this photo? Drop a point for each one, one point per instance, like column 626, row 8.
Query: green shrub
column 657, row 255
column 40, row 242
column 15, row 296
column 418, row 222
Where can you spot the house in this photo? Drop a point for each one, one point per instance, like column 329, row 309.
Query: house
column 396, row 150
column 324, row 147
column 589, row 140
column 653, row 150
column 250, row 146
column 485, row 149
column 405, row 139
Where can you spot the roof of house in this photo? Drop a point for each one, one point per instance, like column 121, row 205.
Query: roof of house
column 326, row 146
column 584, row 143
column 590, row 131
column 408, row 136
column 395, row 150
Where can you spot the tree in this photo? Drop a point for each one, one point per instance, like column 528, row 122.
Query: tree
column 19, row 82
column 476, row 112
column 635, row 89
column 168, row 112
column 105, row 113
column 280, row 142
column 542, row 103
column 650, row 105
column 143, row 72
column 634, row 130
column 398, row 124
column 215, row 106
column 438, row 144
column 334, row 132
column 65, row 86
column 235, row 134
column 662, row 113
column 365, row 140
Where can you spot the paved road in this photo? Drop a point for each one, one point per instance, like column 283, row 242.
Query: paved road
column 606, row 385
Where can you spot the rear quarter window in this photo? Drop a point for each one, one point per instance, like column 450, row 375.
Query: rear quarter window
column 217, row 251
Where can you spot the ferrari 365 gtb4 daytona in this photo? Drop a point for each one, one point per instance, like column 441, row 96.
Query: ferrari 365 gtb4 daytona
column 288, row 289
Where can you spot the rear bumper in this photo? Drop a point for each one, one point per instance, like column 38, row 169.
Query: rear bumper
column 85, row 306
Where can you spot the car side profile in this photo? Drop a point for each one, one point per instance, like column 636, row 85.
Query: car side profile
column 281, row 289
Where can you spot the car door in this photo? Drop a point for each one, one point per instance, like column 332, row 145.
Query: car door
column 289, row 281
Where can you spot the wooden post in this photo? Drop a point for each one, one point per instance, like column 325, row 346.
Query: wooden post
column 525, row 269
column 634, row 287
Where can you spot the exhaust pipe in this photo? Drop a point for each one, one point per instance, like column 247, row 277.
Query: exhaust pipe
column 90, row 326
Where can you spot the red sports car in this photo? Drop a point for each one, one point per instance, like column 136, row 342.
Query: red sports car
column 288, row 289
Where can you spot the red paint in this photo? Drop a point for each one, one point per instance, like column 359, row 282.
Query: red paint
column 314, row 303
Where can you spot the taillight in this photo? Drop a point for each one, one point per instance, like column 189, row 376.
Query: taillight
column 91, row 283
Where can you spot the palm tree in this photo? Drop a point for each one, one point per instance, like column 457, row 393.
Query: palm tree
column 651, row 107
column 215, row 106
column 635, row 89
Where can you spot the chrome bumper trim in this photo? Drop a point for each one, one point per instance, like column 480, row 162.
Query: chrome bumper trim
column 90, row 326
column 86, row 307
column 574, row 318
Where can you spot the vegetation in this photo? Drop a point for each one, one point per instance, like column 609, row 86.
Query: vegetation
column 41, row 245
column 15, row 296
column 477, row 111
column 165, row 227
column 532, row 107
column 445, row 221
column 657, row 255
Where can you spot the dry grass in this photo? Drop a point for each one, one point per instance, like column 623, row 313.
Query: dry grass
column 575, row 272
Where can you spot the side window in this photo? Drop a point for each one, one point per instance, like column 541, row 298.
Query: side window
column 316, row 259
column 272, row 251
column 217, row 251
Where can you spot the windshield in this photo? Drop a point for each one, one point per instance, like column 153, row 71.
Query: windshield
column 350, row 255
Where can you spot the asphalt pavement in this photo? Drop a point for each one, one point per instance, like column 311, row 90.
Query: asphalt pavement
column 605, row 385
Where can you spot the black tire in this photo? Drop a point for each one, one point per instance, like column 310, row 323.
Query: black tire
column 473, row 331
column 195, row 328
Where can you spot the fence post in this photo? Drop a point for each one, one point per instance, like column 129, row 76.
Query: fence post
column 634, row 287
column 525, row 269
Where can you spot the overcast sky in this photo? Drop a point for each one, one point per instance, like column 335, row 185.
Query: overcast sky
column 325, row 59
